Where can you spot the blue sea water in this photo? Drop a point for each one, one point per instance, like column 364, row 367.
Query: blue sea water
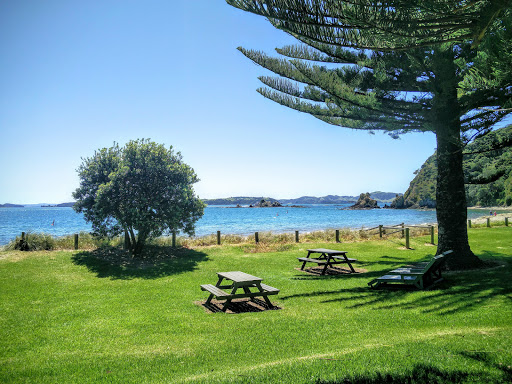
column 228, row 220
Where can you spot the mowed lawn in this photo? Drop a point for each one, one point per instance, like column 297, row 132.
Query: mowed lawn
column 82, row 317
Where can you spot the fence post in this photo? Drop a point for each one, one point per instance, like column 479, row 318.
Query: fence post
column 469, row 223
column 218, row 237
column 337, row 235
column 256, row 237
column 407, row 238
column 296, row 236
column 174, row 239
column 489, row 222
column 403, row 232
column 380, row 231
column 432, row 235
column 76, row 241
column 22, row 236
column 506, row 221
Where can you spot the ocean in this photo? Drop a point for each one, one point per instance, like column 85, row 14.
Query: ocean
column 229, row 220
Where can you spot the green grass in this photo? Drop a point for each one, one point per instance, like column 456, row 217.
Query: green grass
column 99, row 317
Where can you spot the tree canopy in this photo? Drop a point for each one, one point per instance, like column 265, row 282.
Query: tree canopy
column 398, row 66
column 142, row 190
column 386, row 84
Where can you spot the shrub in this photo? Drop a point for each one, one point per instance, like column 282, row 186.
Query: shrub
column 32, row 242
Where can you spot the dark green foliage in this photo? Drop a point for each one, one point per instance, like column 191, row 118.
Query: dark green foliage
column 389, row 60
column 142, row 190
column 422, row 190
column 398, row 66
column 482, row 163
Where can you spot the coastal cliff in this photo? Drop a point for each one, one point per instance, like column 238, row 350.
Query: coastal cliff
column 480, row 164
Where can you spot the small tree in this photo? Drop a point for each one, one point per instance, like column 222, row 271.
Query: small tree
column 142, row 190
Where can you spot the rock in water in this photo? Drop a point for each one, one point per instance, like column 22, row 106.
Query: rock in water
column 365, row 202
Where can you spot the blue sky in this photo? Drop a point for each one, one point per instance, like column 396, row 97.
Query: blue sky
column 76, row 76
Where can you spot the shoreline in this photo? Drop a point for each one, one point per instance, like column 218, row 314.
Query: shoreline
column 478, row 216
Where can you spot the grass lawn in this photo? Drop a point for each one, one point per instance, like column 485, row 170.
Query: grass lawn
column 82, row 317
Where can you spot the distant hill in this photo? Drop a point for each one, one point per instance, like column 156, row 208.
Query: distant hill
column 7, row 205
column 382, row 197
column 239, row 200
column 58, row 205
column 422, row 189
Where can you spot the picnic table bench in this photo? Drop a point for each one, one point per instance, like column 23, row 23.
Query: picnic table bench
column 327, row 258
column 422, row 275
column 239, row 280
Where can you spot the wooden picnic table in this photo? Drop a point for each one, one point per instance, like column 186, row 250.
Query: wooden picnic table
column 239, row 280
column 327, row 258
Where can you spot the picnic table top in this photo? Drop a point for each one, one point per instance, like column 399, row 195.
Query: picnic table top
column 328, row 251
column 239, row 277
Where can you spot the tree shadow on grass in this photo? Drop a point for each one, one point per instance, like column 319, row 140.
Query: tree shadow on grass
column 387, row 262
column 421, row 374
column 460, row 291
column 489, row 360
column 155, row 262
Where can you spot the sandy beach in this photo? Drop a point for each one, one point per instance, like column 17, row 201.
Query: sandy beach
column 485, row 214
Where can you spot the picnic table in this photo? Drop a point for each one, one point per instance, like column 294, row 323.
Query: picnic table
column 238, row 280
column 327, row 258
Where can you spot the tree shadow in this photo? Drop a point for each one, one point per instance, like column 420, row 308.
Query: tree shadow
column 401, row 259
column 421, row 373
column 488, row 360
column 459, row 291
column 155, row 262
column 387, row 262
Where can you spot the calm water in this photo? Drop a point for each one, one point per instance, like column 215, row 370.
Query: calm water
column 65, row 221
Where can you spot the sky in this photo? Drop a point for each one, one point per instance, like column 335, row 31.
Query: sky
column 77, row 76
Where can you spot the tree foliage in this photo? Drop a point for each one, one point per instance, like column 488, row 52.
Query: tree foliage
column 398, row 66
column 142, row 190
column 487, row 171
column 385, row 77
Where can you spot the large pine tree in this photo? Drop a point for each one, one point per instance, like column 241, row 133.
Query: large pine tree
column 398, row 66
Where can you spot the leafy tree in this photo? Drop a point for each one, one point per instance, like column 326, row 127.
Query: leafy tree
column 398, row 66
column 142, row 190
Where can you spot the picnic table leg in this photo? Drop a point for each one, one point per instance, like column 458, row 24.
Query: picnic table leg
column 247, row 290
column 209, row 299
column 226, row 305
column 327, row 264
column 303, row 265
column 228, row 301
column 349, row 264
column 269, row 303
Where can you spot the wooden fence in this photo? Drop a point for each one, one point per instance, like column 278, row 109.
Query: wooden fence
column 383, row 231
column 488, row 222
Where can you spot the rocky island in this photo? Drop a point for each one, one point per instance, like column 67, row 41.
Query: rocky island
column 365, row 202
column 266, row 204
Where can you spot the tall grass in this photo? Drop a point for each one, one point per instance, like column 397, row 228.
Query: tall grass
column 268, row 241
column 46, row 242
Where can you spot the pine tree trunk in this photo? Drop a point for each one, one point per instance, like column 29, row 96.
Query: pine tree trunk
column 450, row 194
